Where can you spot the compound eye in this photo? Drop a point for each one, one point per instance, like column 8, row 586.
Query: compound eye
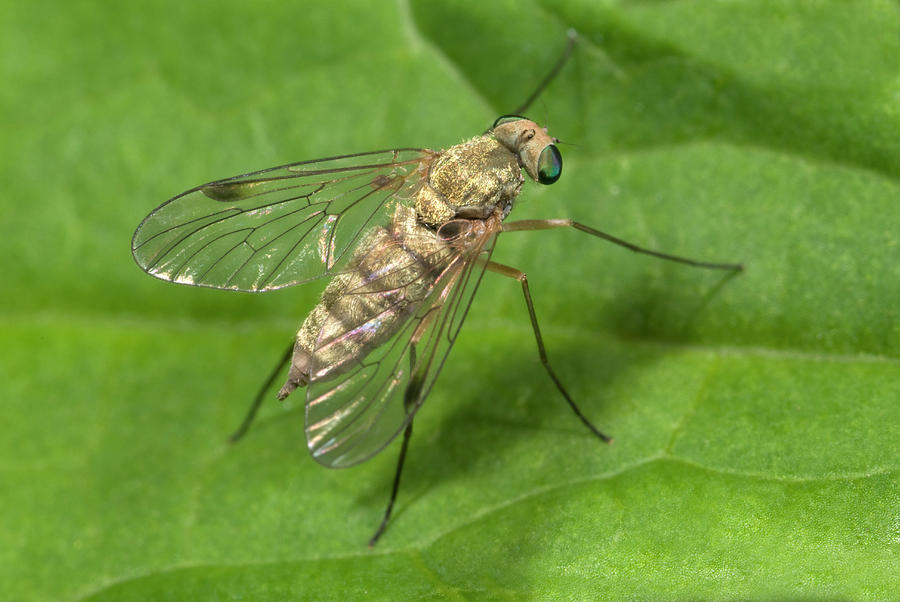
column 506, row 119
column 549, row 165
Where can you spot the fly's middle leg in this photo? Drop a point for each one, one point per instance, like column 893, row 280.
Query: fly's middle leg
column 547, row 224
column 519, row 275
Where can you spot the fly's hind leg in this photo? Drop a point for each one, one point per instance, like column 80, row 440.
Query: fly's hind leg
column 519, row 275
column 407, row 433
column 411, row 397
column 257, row 401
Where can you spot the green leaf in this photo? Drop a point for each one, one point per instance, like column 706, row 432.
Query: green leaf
column 755, row 416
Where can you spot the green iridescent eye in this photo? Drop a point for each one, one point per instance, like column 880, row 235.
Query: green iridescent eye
column 549, row 165
column 506, row 119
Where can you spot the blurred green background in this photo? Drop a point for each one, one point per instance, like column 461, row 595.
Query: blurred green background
column 756, row 417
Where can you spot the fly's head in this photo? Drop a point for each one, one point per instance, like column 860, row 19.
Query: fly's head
column 536, row 150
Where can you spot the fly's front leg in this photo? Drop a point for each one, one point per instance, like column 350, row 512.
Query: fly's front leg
column 519, row 275
column 547, row 224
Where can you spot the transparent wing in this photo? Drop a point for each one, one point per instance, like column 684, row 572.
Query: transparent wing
column 276, row 227
column 352, row 417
